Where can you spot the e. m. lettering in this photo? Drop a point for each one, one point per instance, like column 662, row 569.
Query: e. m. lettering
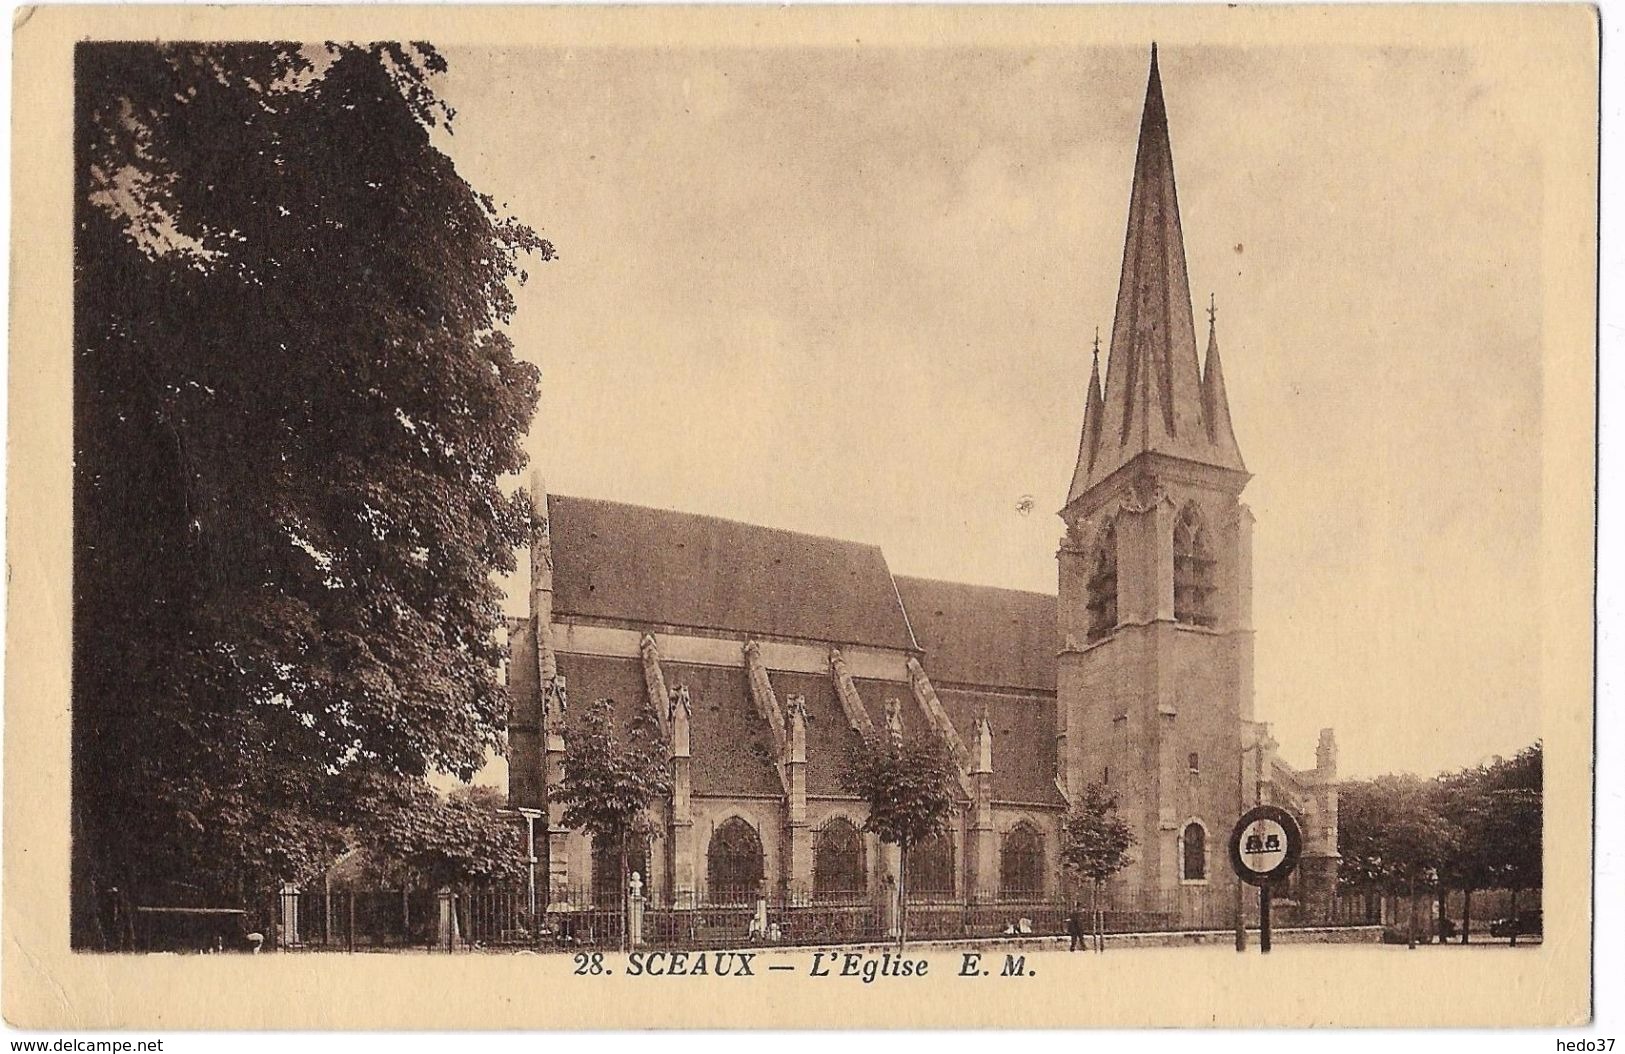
column 866, row 967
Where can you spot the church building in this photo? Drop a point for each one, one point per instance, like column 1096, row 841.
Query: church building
column 764, row 653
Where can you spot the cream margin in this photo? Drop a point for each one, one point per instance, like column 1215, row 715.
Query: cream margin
column 1546, row 56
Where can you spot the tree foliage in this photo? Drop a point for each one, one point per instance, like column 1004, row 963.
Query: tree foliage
column 1476, row 828
column 293, row 406
column 910, row 784
column 1095, row 841
column 1391, row 833
column 615, row 770
column 417, row 838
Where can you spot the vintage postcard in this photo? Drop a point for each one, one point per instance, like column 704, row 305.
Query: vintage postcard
column 801, row 517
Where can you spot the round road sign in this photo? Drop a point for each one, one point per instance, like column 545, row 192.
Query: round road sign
column 1265, row 845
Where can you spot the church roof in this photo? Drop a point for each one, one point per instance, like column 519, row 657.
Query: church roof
column 658, row 567
column 983, row 635
column 1154, row 397
column 1023, row 740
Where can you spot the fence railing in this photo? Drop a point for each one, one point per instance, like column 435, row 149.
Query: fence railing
column 380, row 920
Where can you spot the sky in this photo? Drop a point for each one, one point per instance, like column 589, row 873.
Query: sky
column 852, row 291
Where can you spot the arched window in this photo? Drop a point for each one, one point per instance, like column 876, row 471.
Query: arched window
column 1103, row 585
column 733, row 863
column 606, row 868
column 1193, row 570
column 1021, row 862
column 1193, row 853
column 838, row 866
column 931, row 867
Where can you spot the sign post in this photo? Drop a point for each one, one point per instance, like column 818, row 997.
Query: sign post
column 1264, row 848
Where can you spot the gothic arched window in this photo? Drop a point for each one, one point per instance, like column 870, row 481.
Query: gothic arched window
column 1103, row 585
column 1193, row 853
column 838, row 859
column 1193, row 570
column 733, row 862
column 1021, row 862
column 931, row 866
column 606, row 867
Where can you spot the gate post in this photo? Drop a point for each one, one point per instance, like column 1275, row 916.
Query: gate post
column 634, row 922
column 289, row 901
column 447, row 934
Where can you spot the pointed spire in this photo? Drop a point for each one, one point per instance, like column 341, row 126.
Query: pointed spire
column 1215, row 403
column 1094, row 411
column 1153, row 393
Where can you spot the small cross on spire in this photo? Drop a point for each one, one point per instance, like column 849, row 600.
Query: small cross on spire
column 1097, row 345
column 1212, row 311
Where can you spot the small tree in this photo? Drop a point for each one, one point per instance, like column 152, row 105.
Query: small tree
column 910, row 786
column 1094, row 845
column 613, row 773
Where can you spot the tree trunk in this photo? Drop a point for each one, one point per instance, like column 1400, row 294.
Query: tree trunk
column 1442, row 913
column 1466, row 913
column 1097, row 919
column 902, row 895
column 1513, row 913
column 1410, row 915
column 626, row 904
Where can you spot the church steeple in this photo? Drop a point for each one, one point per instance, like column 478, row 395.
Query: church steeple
column 1154, row 398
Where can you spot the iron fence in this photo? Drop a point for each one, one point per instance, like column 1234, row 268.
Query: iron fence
column 358, row 920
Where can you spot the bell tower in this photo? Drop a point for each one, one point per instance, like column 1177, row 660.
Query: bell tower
column 1156, row 663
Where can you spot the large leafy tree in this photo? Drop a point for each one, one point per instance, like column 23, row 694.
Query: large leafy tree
column 293, row 406
column 910, row 784
column 616, row 768
column 1095, row 844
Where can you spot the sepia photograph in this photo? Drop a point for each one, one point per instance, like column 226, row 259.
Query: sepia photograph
column 914, row 507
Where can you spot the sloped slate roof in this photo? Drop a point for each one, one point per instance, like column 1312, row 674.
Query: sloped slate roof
column 732, row 748
column 591, row 677
column 912, row 716
column 1023, row 741
column 654, row 566
column 829, row 737
column 982, row 635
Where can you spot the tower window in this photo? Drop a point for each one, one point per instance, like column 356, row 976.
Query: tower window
column 1103, row 586
column 1194, row 762
column 1193, row 855
column 1193, row 570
